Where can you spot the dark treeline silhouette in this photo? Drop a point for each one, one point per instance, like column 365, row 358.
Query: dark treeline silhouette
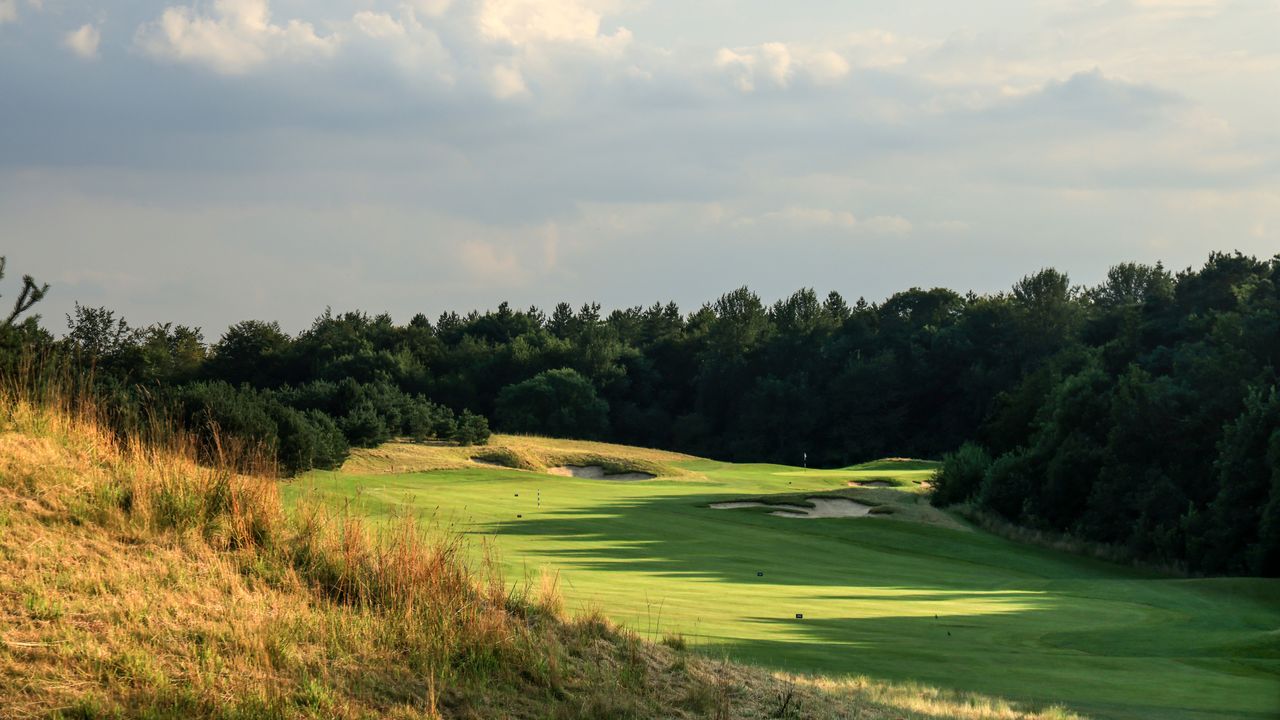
column 1142, row 413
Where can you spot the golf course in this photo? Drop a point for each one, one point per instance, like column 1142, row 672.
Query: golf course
column 897, row 590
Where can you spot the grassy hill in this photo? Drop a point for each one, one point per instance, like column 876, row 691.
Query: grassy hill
column 905, row 593
column 136, row 583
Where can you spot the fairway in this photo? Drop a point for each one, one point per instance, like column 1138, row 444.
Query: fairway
column 905, row 593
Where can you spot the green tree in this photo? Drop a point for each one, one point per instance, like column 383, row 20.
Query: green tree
column 30, row 294
column 559, row 402
column 961, row 474
column 471, row 429
column 250, row 352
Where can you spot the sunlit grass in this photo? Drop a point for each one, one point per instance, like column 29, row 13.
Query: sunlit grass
column 916, row 594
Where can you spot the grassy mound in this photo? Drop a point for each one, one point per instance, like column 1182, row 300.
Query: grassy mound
column 136, row 583
column 517, row 452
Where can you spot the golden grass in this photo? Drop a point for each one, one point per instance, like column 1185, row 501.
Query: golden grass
column 134, row 582
column 518, row 452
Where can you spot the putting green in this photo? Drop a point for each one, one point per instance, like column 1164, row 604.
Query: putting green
column 910, row 596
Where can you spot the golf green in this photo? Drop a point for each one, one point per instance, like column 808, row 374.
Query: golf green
column 913, row 595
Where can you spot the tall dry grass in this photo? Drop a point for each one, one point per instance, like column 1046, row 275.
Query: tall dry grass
column 414, row 589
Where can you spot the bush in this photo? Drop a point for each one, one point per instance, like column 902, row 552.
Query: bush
column 308, row 440
column 364, row 427
column 216, row 410
column 421, row 420
column 1007, row 485
column 961, row 474
column 472, row 429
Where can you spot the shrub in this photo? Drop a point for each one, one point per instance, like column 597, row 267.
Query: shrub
column 364, row 427
column 215, row 410
column 961, row 474
column 472, row 429
column 1008, row 484
column 308, row 440
column 422, row 419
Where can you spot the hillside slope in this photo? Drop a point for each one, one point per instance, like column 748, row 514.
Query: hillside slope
column 517, row 452
column 134, row 583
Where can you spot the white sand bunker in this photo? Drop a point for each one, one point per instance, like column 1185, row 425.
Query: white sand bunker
column 822, row 508
column 596, row 472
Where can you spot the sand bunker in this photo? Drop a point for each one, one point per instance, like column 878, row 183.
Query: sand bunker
column 596, row 472
column 822, row 508
column 870, row 483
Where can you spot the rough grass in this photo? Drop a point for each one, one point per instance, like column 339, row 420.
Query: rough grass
column 135, row 583
column 518, row 452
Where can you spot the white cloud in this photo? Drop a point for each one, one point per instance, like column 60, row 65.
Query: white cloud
column 827, row 67
column 1178, row 9
column 485, row 261
column 431, row 8
column 887, row 225
column 9, row 9
column 775, row 63
column 524, row 21
column 237, row 37
column 414, row 47
column 807, row 217
column 800, row 218
column 778, row 64
column 529, row 22
column 508, row 82
column 740, row 66
column 83, row 41
column 378, row 25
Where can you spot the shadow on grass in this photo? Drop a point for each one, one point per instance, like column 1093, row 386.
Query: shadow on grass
column 976, row 611
column 961, row 610
column 680, row 535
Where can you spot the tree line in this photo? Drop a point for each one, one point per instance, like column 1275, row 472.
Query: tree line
column 1142, row 412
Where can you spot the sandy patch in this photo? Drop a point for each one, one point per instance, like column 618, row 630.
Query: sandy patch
column 596, row 472
column 822, row 508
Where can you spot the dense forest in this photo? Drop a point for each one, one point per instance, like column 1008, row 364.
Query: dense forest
column 1142, row 413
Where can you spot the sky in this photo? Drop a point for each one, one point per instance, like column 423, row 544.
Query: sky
column 211, row 161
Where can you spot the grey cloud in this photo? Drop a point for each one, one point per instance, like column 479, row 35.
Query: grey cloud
column 389, row 176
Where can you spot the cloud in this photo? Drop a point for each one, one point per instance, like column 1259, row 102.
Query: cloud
column 815, row 218
column 781, row 147
column 888, row 225
column 778, row 64
column 412, row 46
column 431, row 8
column 508, row 82
column 378, row 25
column 237, row 37
column 1179, row 9
column 485, row 261
column 882, row 49
column 807, row 217
column 1091, row 98
column 84, row 41
column 9, row 9
column 523, row 22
